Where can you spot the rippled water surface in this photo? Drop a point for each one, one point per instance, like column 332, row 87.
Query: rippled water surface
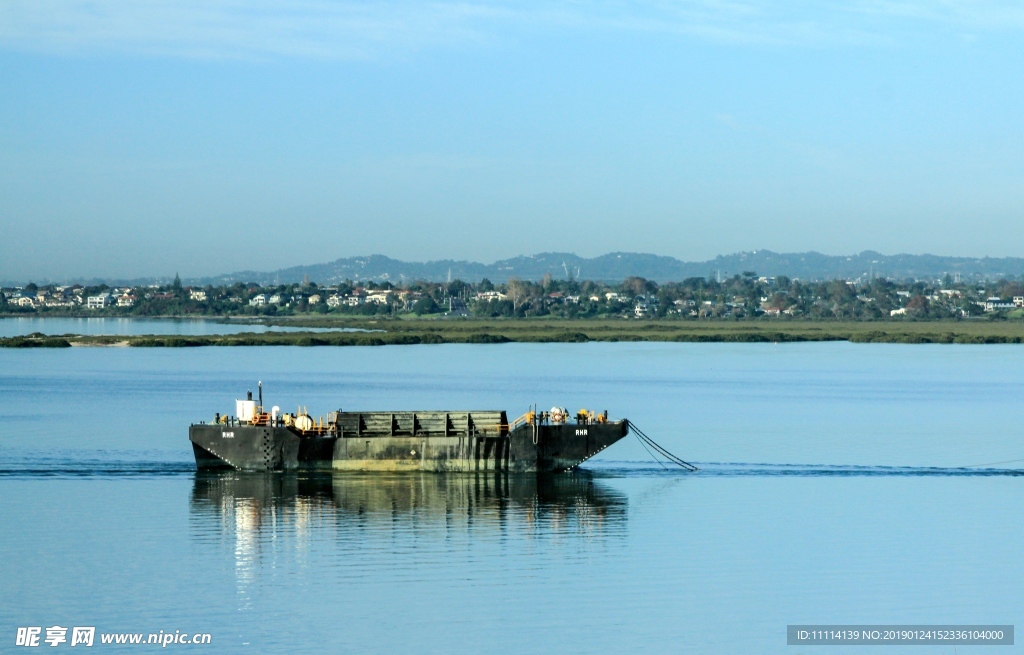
column 839, row 483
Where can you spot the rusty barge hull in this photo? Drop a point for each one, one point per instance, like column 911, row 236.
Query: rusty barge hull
column 406, row 441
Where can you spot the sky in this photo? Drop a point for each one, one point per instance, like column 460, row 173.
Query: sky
column 144, row 138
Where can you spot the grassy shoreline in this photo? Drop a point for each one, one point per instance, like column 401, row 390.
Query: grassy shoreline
column 433, row 331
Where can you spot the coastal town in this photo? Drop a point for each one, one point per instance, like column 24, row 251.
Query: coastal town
column 746, row 296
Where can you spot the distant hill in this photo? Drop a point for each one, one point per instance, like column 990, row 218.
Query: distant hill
column 617, row 266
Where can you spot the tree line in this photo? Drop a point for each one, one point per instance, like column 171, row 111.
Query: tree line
column 741, row 296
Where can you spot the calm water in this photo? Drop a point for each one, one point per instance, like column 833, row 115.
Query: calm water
column 840, row 484
column 22, row 325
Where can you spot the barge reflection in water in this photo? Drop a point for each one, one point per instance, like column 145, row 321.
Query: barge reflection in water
column 256, row 501
column 280, row 520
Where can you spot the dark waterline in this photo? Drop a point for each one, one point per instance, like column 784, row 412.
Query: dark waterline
column 112, row 326
column 607, row 470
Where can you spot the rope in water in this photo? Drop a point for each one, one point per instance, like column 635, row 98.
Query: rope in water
column 653, row 456
column 647, row 441
column 1009, row 461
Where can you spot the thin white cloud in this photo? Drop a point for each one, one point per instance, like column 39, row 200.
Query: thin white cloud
column 233, row 28
column 347, row 29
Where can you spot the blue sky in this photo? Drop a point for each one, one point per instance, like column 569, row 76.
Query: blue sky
column 145, row 138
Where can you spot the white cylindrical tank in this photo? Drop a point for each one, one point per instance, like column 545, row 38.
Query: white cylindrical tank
column 245, row 410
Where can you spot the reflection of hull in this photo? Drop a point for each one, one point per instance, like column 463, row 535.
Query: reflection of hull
column 528, row 448
column 251, row 499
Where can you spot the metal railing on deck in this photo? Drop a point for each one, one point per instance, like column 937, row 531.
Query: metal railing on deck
column 526, row 419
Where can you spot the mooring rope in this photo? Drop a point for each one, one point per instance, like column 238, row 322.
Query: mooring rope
column 653, row 456
column 1009, row 461
column 647, row 441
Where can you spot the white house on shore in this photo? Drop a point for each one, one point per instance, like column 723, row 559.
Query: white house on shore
column 998, row 304
column 99, row 301
column 491, row 295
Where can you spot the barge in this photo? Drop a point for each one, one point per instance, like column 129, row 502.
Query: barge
column 254, row 439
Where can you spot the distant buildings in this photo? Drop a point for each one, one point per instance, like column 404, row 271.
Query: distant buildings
column 645, row 306
column 998, row 304
column 745, row 297
column 99, row 301
column 491, row 295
